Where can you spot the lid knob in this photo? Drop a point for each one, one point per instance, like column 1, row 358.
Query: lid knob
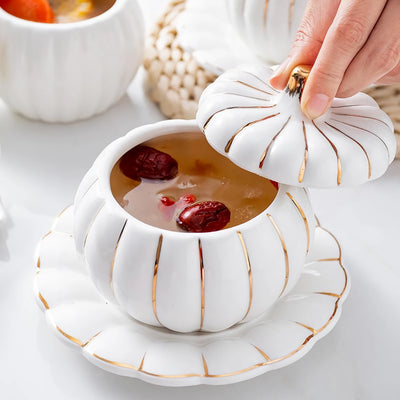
column 297, row 80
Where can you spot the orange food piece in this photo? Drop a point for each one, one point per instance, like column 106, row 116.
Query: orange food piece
column 31, row 10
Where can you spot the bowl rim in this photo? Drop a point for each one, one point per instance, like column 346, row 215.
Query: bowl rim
column 44, row 26
column 114, row 151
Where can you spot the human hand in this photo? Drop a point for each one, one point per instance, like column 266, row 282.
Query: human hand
column 350, row 43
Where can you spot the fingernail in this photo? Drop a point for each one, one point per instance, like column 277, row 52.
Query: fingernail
column 276, row 78
column 281, row 68
column 316, row 106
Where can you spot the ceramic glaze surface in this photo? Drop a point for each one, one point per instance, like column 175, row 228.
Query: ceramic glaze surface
column 186, row 281
column 224, row 34
column 205, row 31
column 264, row 131
column 67, row 72
column 117, row 343
column 268, row 26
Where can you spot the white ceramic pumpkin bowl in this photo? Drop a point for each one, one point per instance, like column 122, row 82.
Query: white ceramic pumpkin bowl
column 70, row 71
column 188, row 281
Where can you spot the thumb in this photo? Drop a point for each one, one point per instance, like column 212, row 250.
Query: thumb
column 316, row 21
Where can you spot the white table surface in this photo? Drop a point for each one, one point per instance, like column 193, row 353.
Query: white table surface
column 40, row 169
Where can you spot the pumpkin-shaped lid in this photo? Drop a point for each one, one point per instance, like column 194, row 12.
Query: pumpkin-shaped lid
column 264, row 131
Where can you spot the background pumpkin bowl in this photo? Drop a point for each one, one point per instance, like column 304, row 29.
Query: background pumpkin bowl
column 71, row 71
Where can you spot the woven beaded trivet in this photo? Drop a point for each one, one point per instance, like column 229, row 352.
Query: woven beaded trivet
column 175, row 80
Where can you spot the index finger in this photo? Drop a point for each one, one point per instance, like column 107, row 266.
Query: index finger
column 318, row 17
column 347, row 34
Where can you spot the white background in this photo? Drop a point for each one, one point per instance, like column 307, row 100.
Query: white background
column 40, row 169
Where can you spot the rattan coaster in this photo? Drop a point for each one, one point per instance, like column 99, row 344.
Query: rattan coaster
column 175, row 80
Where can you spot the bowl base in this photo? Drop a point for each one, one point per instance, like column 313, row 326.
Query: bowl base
column 113, row 341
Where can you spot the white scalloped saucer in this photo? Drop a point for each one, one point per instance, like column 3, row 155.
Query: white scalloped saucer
column 117, row 343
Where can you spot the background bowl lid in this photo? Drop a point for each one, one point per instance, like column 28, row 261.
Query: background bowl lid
column 264, row 131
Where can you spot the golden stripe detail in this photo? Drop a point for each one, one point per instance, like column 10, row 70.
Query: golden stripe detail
column 157, row 260
column 71, row 338
column 247, row 97
column 261, row 364
column 307, row 327
column 91, row 224
column 362, row 116
column 260, row 80
column 141, row 363
column 264, row 155
column 50, row 232
column 329, row 294
column 285, row 252
column 42, row 299
column 355, row 141
column 229, row 144
column 330, row 318
column 86, row 343
column 328, row 259
column 59, row 215
column 365, row 130
column 303, row 166
column 172, row 376
column 74, row 339
column 345, row 281
column 115, row 254
column 266, row 362
column 205, row 366
column 262, row 353
column 202, row 284
column 206, row 372
column 252, row 87
column 47, row 234
column 266, row 4
column 297, row 205
column 339, row 164
column 233, row 108
column 248, row 264
column 118, row 364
